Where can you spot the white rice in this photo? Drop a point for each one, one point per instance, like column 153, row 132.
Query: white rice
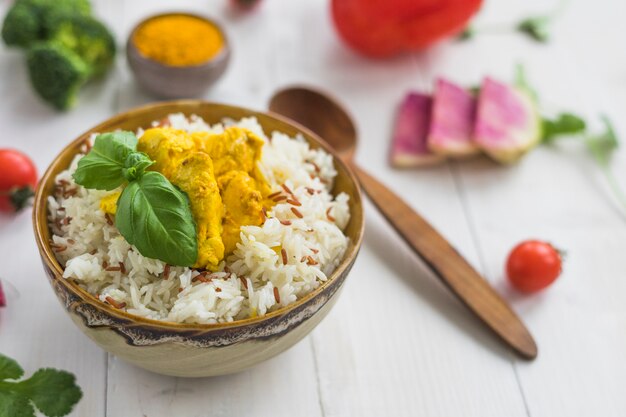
column 87, row 245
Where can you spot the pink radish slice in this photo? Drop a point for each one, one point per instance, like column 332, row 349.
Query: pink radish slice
column 408, row 147
column 507, row 122
column 3, row 301
column 452, row 122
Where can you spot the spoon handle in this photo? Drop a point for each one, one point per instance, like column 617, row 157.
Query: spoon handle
column 449, row 266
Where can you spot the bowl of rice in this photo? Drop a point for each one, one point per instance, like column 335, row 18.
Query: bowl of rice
column 278, row 277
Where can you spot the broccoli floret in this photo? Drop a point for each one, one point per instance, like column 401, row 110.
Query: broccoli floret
column 59, row 10
column 28, row 21
column 56, row 73
column 88, row 38
column 21, row 26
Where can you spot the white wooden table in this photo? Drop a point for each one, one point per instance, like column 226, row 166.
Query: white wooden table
column 437, row 360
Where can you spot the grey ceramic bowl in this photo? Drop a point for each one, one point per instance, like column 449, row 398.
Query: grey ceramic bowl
column 168, row 81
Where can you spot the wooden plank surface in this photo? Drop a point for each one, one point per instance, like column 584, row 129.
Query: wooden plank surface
column 436, row 359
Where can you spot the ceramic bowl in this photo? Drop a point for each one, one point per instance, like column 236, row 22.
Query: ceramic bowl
column 174, row 81
column 194, row 350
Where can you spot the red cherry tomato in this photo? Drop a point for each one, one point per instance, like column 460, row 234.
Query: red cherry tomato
column 533, row 265
column 382, row 28
column 18, row 177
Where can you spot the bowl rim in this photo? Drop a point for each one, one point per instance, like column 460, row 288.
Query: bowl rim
column 223, row 54
column 48, row 257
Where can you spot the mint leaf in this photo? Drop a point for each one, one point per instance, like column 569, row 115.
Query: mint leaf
column 9, row 369
column 155, row 216
column 602, row 146
column 102, row 168
column 54, row 392
column 15, row 405
column 135, row 165
column 536, row 27
column 564, row 124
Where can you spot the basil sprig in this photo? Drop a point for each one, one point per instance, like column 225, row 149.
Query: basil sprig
column 102, row 168
column 157, row 218
column 152, row 213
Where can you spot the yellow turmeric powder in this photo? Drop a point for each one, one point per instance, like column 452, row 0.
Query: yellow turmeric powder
column 178, row 40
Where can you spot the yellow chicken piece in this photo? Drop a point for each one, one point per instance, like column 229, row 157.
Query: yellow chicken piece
column 108, row 204
column 194, row 175
column 167, row 147
column 236, row 149
column 244, row 205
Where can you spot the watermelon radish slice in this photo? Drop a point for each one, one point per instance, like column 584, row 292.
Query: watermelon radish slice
column 507, row 122
column 408, row 147
column 452, row 123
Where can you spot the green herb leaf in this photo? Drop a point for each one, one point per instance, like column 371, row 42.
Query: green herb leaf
column 9, row 369
column 53, row 392
column 102, row 168
column 602, row 146
column 15, row 405
column 135, row 165
column 564, row 124
column 155, row 216
column 521, row 82
column 537, row 28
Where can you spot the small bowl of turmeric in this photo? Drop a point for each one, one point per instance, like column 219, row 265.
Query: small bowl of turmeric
column 177, row 55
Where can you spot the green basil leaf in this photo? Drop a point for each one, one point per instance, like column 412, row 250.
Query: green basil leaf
column 135, row 165
column 54, row 392
column 15, row 405
column 9, row 369
column 155, row 216
column 101, row 168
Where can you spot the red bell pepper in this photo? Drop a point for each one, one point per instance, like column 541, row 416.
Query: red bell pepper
column 382, row 28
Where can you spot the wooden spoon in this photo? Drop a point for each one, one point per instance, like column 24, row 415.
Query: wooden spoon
column 324, row 116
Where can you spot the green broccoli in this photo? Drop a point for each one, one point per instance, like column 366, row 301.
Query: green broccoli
column 21, row 26
column 88, row 38
column 60, row 8
column 65, row 46
column 28, row 21
column 56, row 73
column 79, row 48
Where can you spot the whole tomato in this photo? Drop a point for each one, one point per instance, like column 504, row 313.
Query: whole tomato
column 533, row 265
column 18, row 177
column 382, row 28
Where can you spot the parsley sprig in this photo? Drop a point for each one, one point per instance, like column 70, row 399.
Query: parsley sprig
column 600, row 146
column 54, row 393
column 536, row 27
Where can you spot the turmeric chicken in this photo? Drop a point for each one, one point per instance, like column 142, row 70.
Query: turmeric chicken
column 219, row 174
column 194, row 175
column 235, row 154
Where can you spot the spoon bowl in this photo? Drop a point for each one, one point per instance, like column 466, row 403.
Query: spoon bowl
column 320, row 113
